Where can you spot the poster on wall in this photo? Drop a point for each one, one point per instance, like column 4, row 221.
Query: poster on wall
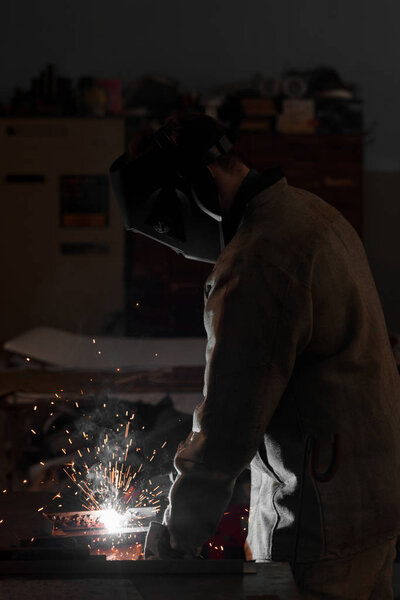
column 84, row 201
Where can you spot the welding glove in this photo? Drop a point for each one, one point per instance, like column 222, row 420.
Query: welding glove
column 158, row 546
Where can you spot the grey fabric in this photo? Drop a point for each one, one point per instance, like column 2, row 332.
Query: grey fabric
column 300, row 382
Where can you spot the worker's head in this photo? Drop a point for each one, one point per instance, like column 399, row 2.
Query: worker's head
column 168, row 185
column 194, row 134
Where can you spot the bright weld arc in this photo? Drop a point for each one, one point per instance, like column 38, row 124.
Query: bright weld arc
column 115, row 482
column 115, row 491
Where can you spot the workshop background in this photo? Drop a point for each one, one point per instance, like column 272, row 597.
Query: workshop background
column 93, row 317
column 203, row 46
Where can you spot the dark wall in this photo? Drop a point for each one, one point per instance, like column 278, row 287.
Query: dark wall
column 213, row 41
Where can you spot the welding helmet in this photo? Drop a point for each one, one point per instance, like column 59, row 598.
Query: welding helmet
column 168, row 194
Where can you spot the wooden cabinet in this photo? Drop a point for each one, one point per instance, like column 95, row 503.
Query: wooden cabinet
column 330, row 166
column 164, row 291
column 61, row 235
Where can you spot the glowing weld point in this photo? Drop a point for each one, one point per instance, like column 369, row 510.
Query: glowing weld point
column 112, row 520
column 28, row 359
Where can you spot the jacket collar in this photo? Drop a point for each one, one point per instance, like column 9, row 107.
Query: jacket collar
column 252, row 185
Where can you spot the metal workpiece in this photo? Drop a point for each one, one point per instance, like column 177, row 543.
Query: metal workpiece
column 100, row 522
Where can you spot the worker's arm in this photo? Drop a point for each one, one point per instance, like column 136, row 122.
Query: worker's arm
column 258, row 319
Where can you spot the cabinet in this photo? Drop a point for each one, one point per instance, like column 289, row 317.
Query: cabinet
column 61, row 236
column 330, row 166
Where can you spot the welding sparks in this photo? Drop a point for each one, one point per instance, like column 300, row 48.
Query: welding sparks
column 103, row 474
column 110, row 486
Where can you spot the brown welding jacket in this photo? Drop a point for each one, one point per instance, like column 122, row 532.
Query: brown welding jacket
column 300, row 383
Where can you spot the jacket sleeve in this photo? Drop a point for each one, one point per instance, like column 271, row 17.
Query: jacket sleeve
column 257, row 320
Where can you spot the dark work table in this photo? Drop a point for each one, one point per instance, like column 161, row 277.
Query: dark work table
column 95, row 578
column 270, row 581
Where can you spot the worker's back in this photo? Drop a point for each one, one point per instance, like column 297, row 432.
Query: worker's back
column 326, row 482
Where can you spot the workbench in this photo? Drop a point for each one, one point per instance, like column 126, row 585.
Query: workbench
column 268, row 581
column 72, row 576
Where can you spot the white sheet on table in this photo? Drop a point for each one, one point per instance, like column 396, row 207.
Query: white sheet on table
column 73, row 351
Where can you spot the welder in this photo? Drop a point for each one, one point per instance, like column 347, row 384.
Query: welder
column 300, row 380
